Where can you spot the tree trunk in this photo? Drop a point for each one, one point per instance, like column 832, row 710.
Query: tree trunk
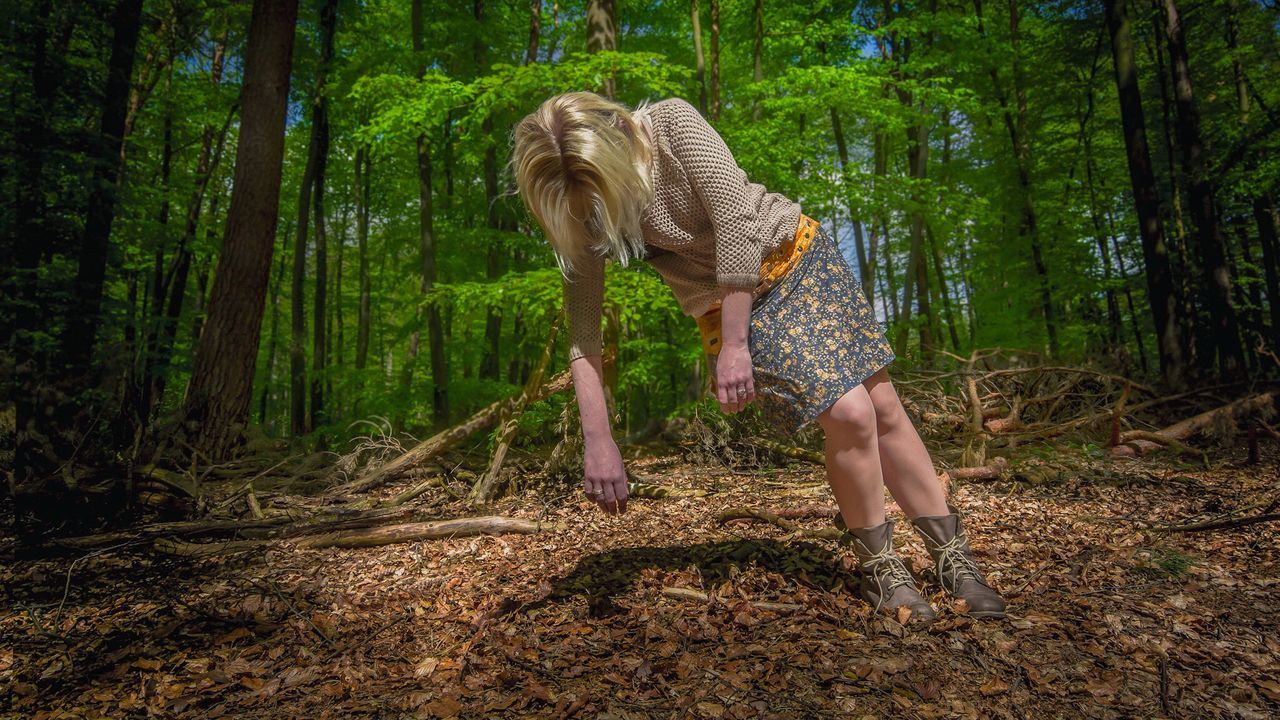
column 273, row 331
column 82, row 319
column 1145, row 198
column 176, row 287
column 1015, row 120
column 222, row 377
column 535, row 30
column 320, row 128
column 918, row 162
column 757, row 57
column 602, row 34
column 1183, row 291
column 865, row 275
column 362, row 245
column 427, row 243
column 1264, row 214
column 140, row 414
column 491, row 359
column 715, row 59
column 699, row 61
column 1215, row 290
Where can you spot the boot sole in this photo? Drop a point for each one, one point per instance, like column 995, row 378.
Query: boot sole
column 989, row 614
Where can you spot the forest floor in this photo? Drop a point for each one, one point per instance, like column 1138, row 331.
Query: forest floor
column 1108, row 616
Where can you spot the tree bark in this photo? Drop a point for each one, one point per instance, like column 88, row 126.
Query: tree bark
column 602, row 34
column 1264, row 214
column 1146, row 200
column 218, row 397
column 1215, row 279
column 535, row 31
column 320, row 128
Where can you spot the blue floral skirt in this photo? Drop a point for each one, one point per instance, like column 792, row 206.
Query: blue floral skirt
column 813, row 338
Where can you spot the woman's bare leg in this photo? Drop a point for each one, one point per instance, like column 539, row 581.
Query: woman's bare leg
column 906, row 466
column 853, row 459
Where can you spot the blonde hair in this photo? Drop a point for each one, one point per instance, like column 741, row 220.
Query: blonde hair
column 581, row 163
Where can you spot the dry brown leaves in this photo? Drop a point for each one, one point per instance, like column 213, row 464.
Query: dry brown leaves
column 1107, row 618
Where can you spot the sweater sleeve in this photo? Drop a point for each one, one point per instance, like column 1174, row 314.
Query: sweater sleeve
column 722, row 186
column 583, row 305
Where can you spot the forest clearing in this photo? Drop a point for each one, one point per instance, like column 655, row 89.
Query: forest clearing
column 304, row 415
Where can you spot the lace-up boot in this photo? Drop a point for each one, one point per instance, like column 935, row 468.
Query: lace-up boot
column 957, row 572
column 886, row 582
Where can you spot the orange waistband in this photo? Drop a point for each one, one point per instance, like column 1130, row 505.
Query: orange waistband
column 773, row 268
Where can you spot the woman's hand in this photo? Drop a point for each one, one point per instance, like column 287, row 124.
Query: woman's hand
column 604, row 477
column 735, row 384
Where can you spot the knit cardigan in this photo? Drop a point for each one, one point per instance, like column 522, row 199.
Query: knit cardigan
column 705, row 231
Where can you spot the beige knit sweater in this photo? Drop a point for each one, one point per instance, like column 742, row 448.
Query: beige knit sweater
column 707, row 228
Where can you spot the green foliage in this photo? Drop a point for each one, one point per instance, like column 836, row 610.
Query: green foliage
column 882, row 71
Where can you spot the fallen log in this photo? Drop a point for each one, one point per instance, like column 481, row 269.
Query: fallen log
column 367, row 537
column 1139, row 442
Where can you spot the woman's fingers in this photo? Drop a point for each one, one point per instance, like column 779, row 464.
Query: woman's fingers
column 609, row 501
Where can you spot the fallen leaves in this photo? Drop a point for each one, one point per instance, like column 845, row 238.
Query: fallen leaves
column 757, row 630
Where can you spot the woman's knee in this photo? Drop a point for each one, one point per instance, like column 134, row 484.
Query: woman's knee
column 887, row 406
column 852, row 415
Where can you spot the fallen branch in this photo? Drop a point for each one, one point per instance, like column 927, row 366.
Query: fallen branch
column 439, row 443
column 690, row 594
column 487, row 488
column 762, row 515
column 804, row 512
column 1139, row 442
column 186, row 528
column 369, row 537
column 1157, row 439
column 994, row 470
column 1222, row 524
column 650, row 491
column 790, row 451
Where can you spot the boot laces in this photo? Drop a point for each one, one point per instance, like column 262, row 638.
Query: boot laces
column 954, row 561
column 889, row 571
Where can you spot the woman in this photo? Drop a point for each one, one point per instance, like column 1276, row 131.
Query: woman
column 783, row 319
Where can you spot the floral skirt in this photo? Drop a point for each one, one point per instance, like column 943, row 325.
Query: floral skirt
column 813, row 338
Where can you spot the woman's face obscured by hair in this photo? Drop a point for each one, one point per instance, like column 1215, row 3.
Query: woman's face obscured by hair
column 581, row 165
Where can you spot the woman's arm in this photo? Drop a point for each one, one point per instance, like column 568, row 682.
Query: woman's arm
column 604, row 476
column 733, row 366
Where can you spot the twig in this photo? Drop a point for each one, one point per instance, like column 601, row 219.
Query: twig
column 1222, row 525
column 66, row 588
